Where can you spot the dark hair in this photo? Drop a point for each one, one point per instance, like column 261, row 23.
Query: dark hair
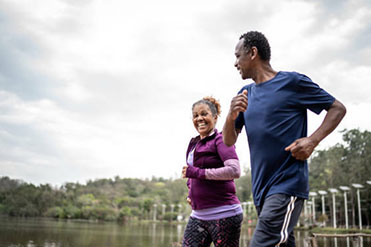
column 212, row 103
column 257, row 39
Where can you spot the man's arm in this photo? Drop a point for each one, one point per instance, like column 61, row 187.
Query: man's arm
column 302, row 148
column 239, row 104
column 230, row 134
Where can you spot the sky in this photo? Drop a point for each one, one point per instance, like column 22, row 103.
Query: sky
column 94, row 89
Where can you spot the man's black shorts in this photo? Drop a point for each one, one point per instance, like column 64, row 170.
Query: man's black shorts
column 277, row 219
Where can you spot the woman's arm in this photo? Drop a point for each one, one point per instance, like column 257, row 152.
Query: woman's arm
column 230, row 170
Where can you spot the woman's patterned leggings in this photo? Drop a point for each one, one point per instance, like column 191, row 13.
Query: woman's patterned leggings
column 224, row 232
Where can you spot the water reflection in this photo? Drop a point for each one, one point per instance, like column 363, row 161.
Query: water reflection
column 49, row 233
column 179, row 233
column 154, row 233
column 343, row 242
column 361, row 241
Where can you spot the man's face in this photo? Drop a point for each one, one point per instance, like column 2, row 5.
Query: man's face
column 243, row 60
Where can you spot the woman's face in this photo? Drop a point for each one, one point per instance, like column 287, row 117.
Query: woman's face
column 203, row 119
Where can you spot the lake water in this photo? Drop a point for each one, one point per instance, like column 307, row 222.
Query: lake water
column 36, row 232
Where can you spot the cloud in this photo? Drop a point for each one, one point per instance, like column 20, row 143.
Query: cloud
column 16, row 54
column 97, row 89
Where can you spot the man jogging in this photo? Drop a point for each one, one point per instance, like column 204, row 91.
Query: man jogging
column 273, row 111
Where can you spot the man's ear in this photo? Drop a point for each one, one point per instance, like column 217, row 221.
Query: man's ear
column 254, row 52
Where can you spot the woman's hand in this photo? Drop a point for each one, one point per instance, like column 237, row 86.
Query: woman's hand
column 184, row 171
column 189, row 200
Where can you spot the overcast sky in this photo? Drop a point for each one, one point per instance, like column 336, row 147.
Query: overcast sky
column 101, row 88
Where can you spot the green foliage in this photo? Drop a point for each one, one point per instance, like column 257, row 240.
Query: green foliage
column 135, row 212
column 244, row 187
column 170, row 216
column 102, row 199
column 21, row 200
column 125, row 198
column 125, row 212
column 86, row 200
column 344, row 164
column 323, row 218
column 2, row 209
column 325, row 166
column 126, row 201
column 71, row 212
column 55, row 212
column 147, row 205
column 103, row 212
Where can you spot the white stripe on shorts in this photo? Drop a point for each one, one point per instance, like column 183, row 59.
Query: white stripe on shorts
column 286, row 221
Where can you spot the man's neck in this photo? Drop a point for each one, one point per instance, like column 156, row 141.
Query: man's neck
column 264, row 73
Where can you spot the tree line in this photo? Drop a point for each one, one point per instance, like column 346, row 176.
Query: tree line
column 101, row 199
column 345, row 164
column 121, row 199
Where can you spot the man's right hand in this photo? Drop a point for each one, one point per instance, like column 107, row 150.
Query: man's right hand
column 238, row 104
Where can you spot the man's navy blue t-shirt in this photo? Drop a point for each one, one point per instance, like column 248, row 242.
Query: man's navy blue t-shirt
column 275, row 117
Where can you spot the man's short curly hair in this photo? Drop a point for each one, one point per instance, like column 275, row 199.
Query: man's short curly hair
column 257, row 39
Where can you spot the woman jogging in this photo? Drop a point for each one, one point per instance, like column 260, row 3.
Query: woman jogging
column 211, row 167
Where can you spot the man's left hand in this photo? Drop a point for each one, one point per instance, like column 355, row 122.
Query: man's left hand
column 302, row 148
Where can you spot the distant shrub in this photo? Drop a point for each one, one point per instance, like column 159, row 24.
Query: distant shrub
column 170, row 216
column 72, row 212
column 55, row 212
